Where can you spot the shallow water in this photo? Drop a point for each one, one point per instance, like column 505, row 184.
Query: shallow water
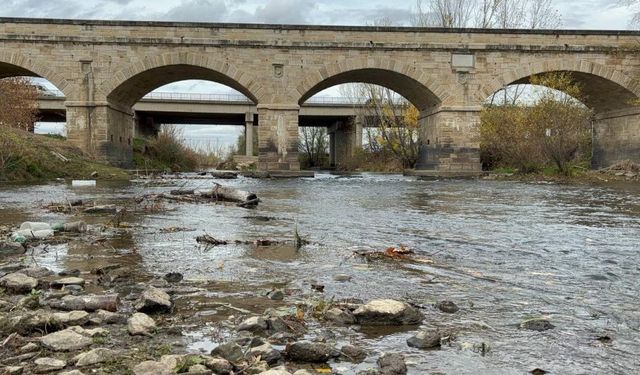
column 503, row 251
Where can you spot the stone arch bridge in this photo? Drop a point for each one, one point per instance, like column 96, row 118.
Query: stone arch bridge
column 105, row 67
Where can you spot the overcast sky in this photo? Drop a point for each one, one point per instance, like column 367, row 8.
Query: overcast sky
column 576, row 14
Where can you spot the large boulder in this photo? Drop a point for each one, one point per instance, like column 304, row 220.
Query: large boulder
column 64, row 341
column 392, row 364
column 93, row 357
column 18, row 283
column 154, row 300
column 141, row 324
column 152, row 368
column 310, row 352
column 387, row 312
column 425, row 340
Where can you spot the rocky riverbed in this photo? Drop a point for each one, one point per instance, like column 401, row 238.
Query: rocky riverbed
column 140, row 294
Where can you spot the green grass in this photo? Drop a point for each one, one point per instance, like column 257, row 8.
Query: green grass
column 28, row 157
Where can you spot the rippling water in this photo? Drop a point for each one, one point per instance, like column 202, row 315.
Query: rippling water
column 503, row 251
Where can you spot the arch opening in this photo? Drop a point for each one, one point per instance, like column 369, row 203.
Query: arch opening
column 137, row 86
column 49, row 116
column 581, row 118
column 411, row 89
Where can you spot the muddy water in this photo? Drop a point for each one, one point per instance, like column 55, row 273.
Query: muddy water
column 503, row 251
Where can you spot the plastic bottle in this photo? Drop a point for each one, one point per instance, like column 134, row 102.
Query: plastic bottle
column 32, row 225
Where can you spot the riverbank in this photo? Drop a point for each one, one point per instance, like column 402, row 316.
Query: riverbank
column 621, row 172
column 28, row 157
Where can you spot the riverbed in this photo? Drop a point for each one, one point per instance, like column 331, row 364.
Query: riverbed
column 502, row 251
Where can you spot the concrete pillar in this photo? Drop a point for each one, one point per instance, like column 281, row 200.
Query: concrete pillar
column 248, row 133
column 278, row 137
column 450, row 141
column 345, row 139
column 102, row 130
column 616, row 137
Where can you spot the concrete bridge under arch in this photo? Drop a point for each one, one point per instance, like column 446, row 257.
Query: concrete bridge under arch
column 105, row 67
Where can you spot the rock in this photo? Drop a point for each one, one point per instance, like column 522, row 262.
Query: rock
column 302, row 372
column 392, row 364
column 72, row 318
column 66, row 340
column 276, row 295
column 267, row 353
column 74, row 273
column 173, row 277
column 230, row 351
column 447, row 307
column 275, row 372
column 72, row 372
column 37, row 272
column 353, row 353
column 253, row 324
column 47, row 364
column 13, row 370
column 107, row 317
column 537, row 324
column 11, row 248
column 94, row 174
column 339, row 316
column 95, row 356
column 425, row 340
column 310, row 352
column 141, row 324
column 219, row 366
column 258, row 368
column 60, row 283
column 342, row 278
column 29, row 348
column 199, row 369
column 154, row 300
column 152, row 368
column 18, row 283
column 89, row 302
column 387, row 312
column 89, row 332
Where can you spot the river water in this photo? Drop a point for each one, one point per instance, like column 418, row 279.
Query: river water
column 503, row 251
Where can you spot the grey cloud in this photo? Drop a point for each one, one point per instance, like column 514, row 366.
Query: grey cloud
column 198, row 10
column 286, row 11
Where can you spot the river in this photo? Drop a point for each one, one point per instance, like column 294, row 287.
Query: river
column 503, row 251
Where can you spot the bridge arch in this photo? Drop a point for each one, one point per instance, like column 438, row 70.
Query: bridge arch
column 605, row 89
column 611, row 94
column 405, row 79
column 131, row 83
column 15, row 64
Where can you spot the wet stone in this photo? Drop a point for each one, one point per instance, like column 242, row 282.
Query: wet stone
column 173, row 277
column 37, row 272
column 74, row 273
column 44, row 365
column 219, row 366
column 310, row 352
column 387, row 312
column 537, row 324
column 18, row 283
column 140, row 324
column 11, row 248
column 230, row 351
column 276, row 295
column 392, row 364
column 339, row 316
column 425, row 340
column 154, row 300
column 253, row 324
column 447, row 307
column 66, row 340
column 152, row 368
column 267, row 353
column 352, row 353
column 67, row 281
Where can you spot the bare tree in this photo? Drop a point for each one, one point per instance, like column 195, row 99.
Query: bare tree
column 503, row 14
column 18, row 103
column 313, row 145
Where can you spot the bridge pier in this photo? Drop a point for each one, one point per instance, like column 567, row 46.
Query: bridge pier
column 450, row 142
column 616, row 137
column 146, row 127
column 248, row 134
column 344, row 140
column 278, row 137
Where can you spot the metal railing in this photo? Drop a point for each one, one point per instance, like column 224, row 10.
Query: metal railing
column 218, row 98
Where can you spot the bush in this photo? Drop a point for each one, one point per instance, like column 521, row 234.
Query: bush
column 166, row 151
